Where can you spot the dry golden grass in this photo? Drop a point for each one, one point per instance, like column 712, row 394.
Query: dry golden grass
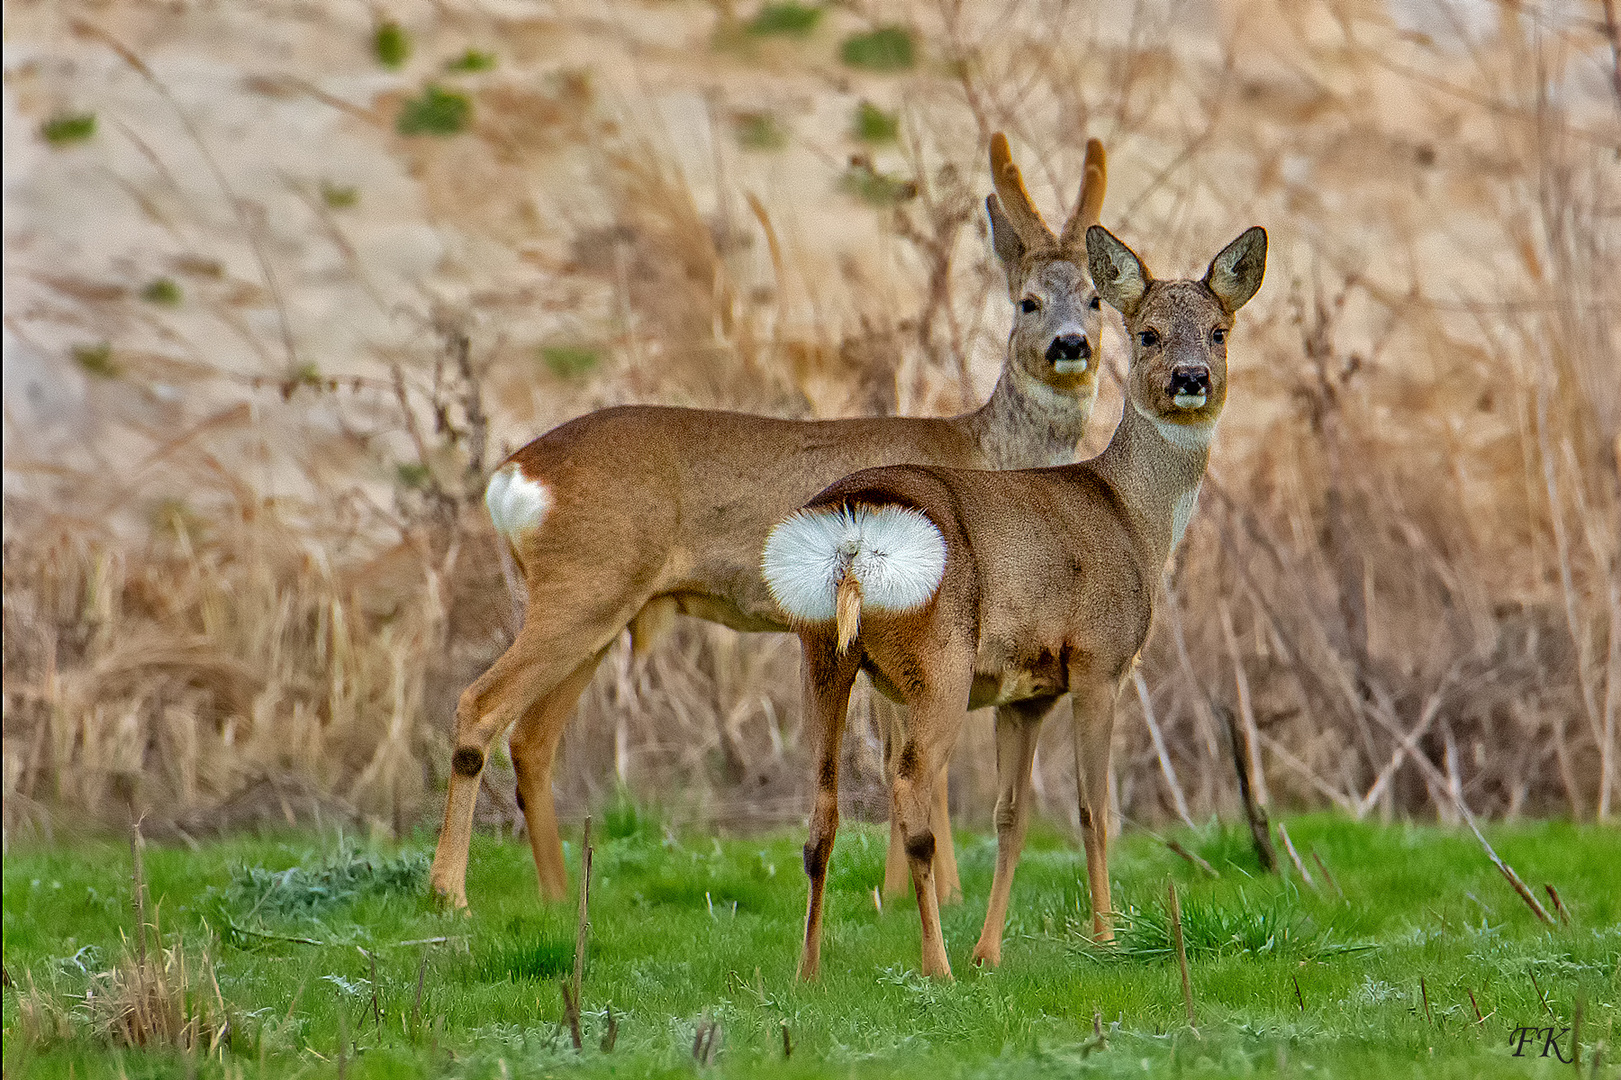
column 246, row 566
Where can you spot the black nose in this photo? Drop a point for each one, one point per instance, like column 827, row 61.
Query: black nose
column 1069, row 347
column 1190, row 380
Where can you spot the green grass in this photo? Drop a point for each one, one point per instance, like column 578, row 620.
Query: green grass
column 874, row 125
column 790, row 18
column 888, row 48
column 437, row 112
column 760, row 131
column 569, row 361
column 391, row 45
column 65, row 129
column 688, row 925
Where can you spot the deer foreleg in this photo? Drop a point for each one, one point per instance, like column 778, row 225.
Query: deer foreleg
column 1017, row 728
column 1094, row 730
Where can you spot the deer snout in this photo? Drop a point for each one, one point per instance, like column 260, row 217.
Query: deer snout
column 1069, row 353
column 1190, row 385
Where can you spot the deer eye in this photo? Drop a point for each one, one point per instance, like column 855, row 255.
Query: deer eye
column 1096, row 303
column 1029, row 304
column 1148, row 338
column 1219, row 336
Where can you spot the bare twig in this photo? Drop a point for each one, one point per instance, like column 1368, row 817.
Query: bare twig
column 610, row 1036
column 137, row 843
column 1294, row 856
column 1176, row 846
column 571, row 1015
column 787, row 1043
column 1160, row 751
column 1175, row 909
column 1540, row 995
column 1328, row 875
column 1260, row 829
column 582, row 921
column 1558, row 904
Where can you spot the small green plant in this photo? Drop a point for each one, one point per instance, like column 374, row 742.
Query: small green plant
column 789, row 18
column 888, row 48
column 1267, row 927
column 97, row 360
column 391, row 44
column 64, row 129
column 874, row 125
column 412, row 474
column 163, row 290
column 875, row 188
column 339, row 196
column 254, row 892
column 569, row 361
column 471, row 60
column 760, row 131
column 437, row 112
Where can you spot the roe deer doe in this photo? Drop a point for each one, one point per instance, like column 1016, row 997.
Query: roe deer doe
column 955, row 589
column 627, row 516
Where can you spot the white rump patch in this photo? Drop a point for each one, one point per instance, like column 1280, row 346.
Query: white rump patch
column 896, row 553
column 516, row 503
column 1186, row 436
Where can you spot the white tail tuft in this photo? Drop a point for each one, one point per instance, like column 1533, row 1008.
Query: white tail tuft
column 894, row 554
column 515, row 502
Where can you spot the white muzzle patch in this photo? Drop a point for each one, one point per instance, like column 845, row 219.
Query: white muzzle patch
column 1189, row 401
column 1071, row 367
column 516, row 503
column 896, row 553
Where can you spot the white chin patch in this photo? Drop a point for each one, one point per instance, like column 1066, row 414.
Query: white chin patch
column 1070, row 367
column 1187, row 436
column 896, row 553
column 1189, row 401
column 516, row 503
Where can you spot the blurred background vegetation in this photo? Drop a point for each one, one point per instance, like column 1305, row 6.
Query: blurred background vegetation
column 284, row 281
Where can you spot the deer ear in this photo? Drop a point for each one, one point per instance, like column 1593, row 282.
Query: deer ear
column 1005, row 239
column 1235, row 274
column 1117, row 273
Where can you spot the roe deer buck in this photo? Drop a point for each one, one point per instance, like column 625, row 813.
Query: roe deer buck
column 630, row 515
column 955, row 589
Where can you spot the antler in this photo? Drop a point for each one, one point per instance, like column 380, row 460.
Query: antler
column 1089, row 207
column 1016, row 202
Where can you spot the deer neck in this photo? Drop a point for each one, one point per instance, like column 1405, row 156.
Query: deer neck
column 1156, row 468
column 1027, row 424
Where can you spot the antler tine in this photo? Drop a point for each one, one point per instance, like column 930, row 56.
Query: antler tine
column 1016, row 201
column 1089, row 208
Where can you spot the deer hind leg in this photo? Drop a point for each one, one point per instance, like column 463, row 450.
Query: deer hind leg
column 947, row 884
column 892, row 726
column 891, row 720
column 1094, row 730
column 828, row 678
column 931, row 733
column 1017, row 727
column 536, row 663
column 534, row 748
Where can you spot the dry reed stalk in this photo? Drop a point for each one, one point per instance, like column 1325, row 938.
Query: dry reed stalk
column 582, row 924
column 1294, row 857
column 1160, row 752
column 1174, row 909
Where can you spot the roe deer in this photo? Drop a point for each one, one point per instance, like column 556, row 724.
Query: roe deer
column 955, row 589
column 627, row 516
